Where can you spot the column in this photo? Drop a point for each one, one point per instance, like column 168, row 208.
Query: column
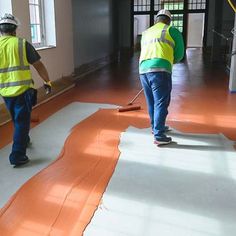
column 232, row 80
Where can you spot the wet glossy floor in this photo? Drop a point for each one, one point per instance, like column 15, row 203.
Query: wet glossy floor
column 200, row 103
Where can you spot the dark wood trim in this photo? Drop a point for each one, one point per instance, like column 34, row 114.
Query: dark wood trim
column 185, row 22
column 152, row 13
column 217, row 26
column 206, row 25
column 197, row 10
column 132, row 24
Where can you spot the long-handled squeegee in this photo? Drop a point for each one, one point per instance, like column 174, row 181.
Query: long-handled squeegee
column 129, row 106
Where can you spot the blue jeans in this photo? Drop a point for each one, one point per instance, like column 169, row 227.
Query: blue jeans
column 157, row 89
column 20, row 108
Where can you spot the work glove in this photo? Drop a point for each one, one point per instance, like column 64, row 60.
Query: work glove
column 48, row 87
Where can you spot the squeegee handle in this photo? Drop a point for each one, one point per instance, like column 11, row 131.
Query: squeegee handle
column 131, row 102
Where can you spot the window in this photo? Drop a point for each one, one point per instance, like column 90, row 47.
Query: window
column 36, row 22
column 42, row 23
column 169, row 4
column 177, row 21
column 196, row 4
column 142, row 5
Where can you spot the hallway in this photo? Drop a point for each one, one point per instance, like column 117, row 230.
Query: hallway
column 201, row 104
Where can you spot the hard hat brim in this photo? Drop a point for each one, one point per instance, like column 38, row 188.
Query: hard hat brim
column 164, row 15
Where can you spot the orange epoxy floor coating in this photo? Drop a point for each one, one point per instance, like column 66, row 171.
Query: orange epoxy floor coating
column 61, row 199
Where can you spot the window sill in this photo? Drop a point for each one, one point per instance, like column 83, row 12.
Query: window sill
column 44, row 47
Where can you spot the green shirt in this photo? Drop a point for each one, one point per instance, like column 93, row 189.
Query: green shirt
column 162, row 64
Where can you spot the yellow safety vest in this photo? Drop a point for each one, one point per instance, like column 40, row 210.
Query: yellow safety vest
column 157, row 43
column 15, row 75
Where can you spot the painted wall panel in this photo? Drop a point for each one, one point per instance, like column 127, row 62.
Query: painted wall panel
column 125, row 23
column 92, row 30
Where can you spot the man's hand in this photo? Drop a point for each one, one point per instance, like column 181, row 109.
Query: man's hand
column 42, row 71
column 47, row 87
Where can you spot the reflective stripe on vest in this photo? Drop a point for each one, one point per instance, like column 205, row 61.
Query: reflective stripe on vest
column 15, row 68
column 157, row 43
column 17, row 83
column 161, row 39
column 15, row 78
column 22, row 66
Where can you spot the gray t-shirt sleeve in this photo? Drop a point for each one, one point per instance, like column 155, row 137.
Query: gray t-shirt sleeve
column 31, row 54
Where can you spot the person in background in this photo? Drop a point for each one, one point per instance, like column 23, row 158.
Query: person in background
column 16, row 84
column 161, row 46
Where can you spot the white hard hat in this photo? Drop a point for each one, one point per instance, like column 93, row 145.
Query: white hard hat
column 9, row 19
column 164, row 12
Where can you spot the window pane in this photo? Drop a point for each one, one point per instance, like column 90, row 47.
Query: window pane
column 177, row 21
column 168, row 4
column 35, row 21
column 34, row 14
column 35, row 34
column 142, row 5
column 196, row 4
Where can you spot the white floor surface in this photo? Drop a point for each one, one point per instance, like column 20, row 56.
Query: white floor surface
column 47, row 141
column 187, row 188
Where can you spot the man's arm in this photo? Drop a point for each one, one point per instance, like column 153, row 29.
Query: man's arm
column 34, row 59
column 41, row 69
column 179, row 49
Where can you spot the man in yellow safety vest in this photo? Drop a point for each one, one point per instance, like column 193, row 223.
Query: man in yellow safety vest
column 16, row 84
column 161, row 46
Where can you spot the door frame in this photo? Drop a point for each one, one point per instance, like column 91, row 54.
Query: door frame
column 152, row 13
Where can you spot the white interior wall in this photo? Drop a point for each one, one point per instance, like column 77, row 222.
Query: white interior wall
column 59, row 60
column 20, row 9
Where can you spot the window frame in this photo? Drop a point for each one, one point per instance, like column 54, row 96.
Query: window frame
column 41, row 24
column 156, row 5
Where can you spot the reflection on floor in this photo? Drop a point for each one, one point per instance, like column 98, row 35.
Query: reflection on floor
column 185, row 188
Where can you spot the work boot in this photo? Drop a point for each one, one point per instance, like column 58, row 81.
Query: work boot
column 21, row 162
column 18, row 160
column 162, row 140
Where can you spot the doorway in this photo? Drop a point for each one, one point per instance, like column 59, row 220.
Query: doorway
column 141, row 23
column 195, row 30
column 182, row 11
